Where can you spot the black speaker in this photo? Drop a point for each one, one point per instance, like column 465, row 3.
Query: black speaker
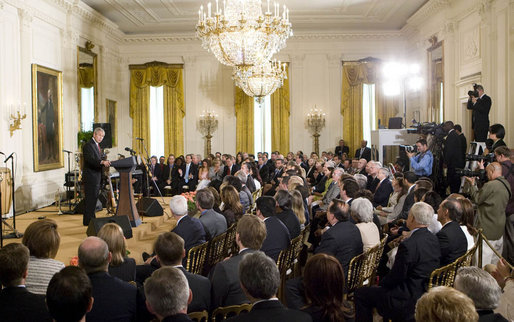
column 107, row 141
column 149, row 207
column 123, row 221
column 395, row 123
column 81, row 206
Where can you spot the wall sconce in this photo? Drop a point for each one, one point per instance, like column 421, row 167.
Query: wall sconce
column 208, row 123
column 316, row 122
column 16, row 114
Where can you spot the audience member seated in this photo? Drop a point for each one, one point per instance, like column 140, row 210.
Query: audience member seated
column 362, row 213
column 434, row 200
column 332, row 190
column 190, row 176
column 285, row 213
column 363, row 152
column 114, row 299
column 372, row 171
column 213, row 222
column 232, row 208
column 42, row 239
column 341, row 148
column 384, row 188
column 343, row 239
column 203, row 178
column 167, row 295
column 396, row 200
column 231, row 167
column 444, row 303
column 319, row 191
column 121, row 266
column 249, row 182
column 505, row 278
column 361, row 166
column 452, row 240
column 244, row 188
column 226, row 289
column 467, row 220
column 189, row 228
column 260, row 279
column 70, row 295
column 399, row 290
column 236, row 183
column 298, row 207
column 409, row 179
column 277, row 234
column 324, row 283
column 17, row 304
column 481, row 287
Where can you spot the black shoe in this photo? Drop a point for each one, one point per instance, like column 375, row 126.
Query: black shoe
column 145, row 256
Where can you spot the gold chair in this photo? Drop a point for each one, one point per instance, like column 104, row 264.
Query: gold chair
column 223, row 313
column 230, row 246
column 285, row 263
column 215, row 252
column 202, row 316
column 196, row 258
column 445, row 276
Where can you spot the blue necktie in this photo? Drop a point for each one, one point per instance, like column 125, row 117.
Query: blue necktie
column 187, row 172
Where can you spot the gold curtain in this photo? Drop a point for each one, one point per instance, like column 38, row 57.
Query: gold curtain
column 86, row 76
column 158, row 74
column 280, row 112
column 244, row 121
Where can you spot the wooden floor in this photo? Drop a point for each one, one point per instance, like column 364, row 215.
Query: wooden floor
column 73, row 233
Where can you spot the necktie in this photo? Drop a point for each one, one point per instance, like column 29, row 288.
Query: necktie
column 99, row 150
column 169, row 175
column 187, row 172
column 228, row 172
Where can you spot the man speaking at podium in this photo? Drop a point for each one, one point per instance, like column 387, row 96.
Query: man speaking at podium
column 92, row 173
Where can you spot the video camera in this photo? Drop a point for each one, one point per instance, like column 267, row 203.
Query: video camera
column 427, row 128
column 474, row 92
column 488, row 158
column 470, row 173
column 409, row 148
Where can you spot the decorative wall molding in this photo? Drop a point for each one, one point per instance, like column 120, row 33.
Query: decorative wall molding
column 431, row 8
column 26, row 16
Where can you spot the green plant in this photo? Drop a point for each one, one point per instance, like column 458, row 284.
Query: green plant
column 83, row 137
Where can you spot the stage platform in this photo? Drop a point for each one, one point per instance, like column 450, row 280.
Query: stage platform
column 73, row 233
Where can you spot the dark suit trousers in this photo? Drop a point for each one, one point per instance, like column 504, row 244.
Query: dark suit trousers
column 453, row 180
column 91, row 191
column 367, row 298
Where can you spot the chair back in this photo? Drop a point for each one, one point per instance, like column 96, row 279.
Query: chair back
column 215, row 252
column 223, row 313
column 445, row 276
column 202, row 316
column 196, row 258
column 230, row 246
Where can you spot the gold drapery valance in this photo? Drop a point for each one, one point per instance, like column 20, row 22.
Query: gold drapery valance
column 355, row 74
column 86, row 75
column 280, row 112
column 244, row 121
column 158, row 74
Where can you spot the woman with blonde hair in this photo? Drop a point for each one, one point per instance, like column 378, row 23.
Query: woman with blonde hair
column 232, row 208
column 42, row 240
column 444, row 303
column 203, row 176
column 120, row 266
column 298, row 207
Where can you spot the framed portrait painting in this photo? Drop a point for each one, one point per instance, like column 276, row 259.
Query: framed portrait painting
column 111, row 108
column 47, row 118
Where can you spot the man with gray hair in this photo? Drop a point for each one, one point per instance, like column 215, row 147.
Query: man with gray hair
column 114, row 300
column 168, row 294
column 260, row 279
column 372, row 169
column 395, row 298
column 189, row 228
column 383, row 189
column 362, row 213
column 483, row 289
column 333, row 189
column 213, row 222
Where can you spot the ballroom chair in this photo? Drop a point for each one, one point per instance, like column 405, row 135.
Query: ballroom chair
column 225, row 312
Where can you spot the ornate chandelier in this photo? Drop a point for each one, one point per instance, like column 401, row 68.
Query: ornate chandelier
column 262, row 80
column 239, row 34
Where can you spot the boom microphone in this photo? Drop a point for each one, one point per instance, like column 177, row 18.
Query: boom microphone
column 130, row 150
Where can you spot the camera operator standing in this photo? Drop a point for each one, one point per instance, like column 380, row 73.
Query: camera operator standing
column 491, row 201
column 452, row 156
column 480, row 103
column 422, row 160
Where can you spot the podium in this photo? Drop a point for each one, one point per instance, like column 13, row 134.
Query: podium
column 126, row 202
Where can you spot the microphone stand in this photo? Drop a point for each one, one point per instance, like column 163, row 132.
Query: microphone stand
column 14, row 234
column 69, row 211
column 150, row 175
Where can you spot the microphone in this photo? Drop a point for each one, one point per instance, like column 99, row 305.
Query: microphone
column 66, row 151
column 10, row 156
column 140, row 139
column 130, row 150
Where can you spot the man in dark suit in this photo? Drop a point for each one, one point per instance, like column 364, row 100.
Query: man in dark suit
column 249, row 183
column 341, row 148
column 16, row 303
column 226, row 289
column 277, row 235
column 343, row 239
column 452, row 241
column 263, row 169
column 410, row 179
column 114, row 299
column 189, row 228
column 363, row 152
column 418, row 255
column 92, row 173
column 462, row 137
column 383, row 189
column 213, row 222
column 156, row 171
column 481, row 106
column 190, row 179
column 372, row 168
column 231, row 167
column 453, row 157
column 260, row 279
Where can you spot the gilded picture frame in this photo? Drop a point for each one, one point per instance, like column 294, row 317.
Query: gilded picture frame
column 47, row 124
column 111, row 108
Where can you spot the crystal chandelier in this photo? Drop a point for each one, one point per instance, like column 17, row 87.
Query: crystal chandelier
column 260, row 81
column 240, row 34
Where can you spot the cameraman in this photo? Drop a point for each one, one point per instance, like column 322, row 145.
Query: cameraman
column 422, row 160
column 480, row 103
column 502, row 155
column 491, row 201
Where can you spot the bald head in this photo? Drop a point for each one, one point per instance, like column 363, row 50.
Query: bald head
column 493, row 170
column 94, row 255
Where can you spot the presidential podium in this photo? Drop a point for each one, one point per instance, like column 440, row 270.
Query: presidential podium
column 126, row 202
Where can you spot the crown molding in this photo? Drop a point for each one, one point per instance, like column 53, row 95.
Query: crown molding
column 431, row 8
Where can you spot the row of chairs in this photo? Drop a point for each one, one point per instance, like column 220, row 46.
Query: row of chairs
column 221, row 313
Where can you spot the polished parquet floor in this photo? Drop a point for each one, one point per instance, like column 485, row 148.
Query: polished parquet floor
column 73, row 233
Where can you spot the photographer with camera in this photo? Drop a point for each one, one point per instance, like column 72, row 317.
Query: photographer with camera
column 421, row 160
column 452, row 156
column 480, row 103
column 491, row 201
column 496, row 135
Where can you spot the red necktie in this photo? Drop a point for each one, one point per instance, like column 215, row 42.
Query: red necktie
column 228, row 172
column 99, row 150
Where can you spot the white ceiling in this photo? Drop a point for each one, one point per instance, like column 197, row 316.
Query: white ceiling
column 180, row 16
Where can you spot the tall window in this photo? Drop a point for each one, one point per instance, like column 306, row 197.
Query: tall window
column 262, row 125
column 87, row 108
column 368, row 110
column 157, row 113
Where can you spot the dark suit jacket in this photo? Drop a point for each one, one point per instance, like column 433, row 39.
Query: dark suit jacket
column 490, row 316
column 271, row 311
column 498, row 143
column 382, row 193
column 115, row 300
column 480, row 117
column 126, row 271
column 264, row 173
column 277, row 237
column 372, row 183
column 226, row 289
column 191, row 230
column 177, row 318
column 92, row 171
column 343, row 241
column 417, row 257
column 292, row 223
column 463, row 143
column 19, row 305
column 250, row 184
column 366, row 154
column 233, row 170
column 452, row 241
column 339, row 151
column 407, row 204
column 452, row 151
column 201, row 288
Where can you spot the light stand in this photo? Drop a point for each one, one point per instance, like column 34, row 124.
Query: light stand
column 69, row 211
